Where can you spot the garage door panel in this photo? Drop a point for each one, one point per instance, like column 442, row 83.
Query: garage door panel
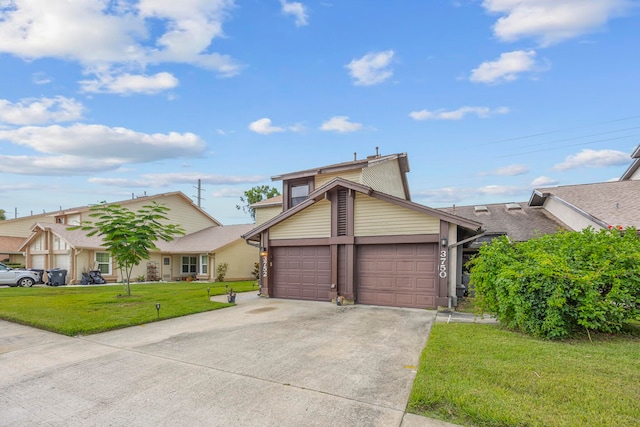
column 397, row 275
column 302, row 272
column 426, row 284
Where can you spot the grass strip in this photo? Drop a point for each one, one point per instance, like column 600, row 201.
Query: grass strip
column 85, row 310
column 481, row 375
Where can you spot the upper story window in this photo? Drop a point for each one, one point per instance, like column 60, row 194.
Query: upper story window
column 299, row 193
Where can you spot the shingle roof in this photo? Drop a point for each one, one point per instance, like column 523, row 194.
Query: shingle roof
column 76, row 238
column 610, row 203
column 10, row 245
column 276, row 200
column 203, row 241
column 208, row 240
column 519, row 224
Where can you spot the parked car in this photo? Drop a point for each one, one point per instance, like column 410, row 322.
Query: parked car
column 17, row 277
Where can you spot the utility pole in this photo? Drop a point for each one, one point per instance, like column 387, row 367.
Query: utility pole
column 200, row 190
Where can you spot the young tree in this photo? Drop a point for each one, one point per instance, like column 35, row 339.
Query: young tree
column 255, row 195
column 3, row 215
column 128, row 235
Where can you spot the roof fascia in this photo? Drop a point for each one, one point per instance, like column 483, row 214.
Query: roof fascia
column 537, row 198
column 626, row 176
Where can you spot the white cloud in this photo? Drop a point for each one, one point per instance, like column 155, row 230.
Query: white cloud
column 86, row 149
column 296, row 9
column 340, row 124
column 40, row 110
column 371, row 69
column 552, row 21
column 506, row 68
column 126, row 83
column 169, row 179
column 117, row 34
column 297, row 128
column 593, row 159
column 543, row 181
column 510, row 170
column 263, row 126
column 448, row 195
column 482, row 112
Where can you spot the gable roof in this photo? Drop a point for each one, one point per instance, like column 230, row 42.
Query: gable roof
column 203, row 241
column 401, row 158
column 319, row 194
column 517, row 220
column 124, row 203
column 605, row 203
column 75, row 238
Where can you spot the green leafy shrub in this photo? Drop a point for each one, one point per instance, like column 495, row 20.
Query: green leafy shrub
column 556, row 285
column 221, row 271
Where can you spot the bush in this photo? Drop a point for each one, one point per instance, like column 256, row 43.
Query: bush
column 221, row 271
column 556, row 285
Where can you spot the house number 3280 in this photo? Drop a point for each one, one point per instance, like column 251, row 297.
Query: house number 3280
column 443, row 264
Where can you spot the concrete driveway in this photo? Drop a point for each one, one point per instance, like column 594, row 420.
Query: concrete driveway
column 265, row 362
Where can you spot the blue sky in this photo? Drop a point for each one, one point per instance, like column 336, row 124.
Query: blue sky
column 102, row 100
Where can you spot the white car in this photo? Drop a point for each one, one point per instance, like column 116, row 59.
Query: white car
column 16, row 277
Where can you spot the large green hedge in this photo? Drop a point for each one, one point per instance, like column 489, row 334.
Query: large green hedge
column 557, row 285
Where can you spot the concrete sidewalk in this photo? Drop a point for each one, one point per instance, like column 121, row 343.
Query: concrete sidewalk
column 264, row 362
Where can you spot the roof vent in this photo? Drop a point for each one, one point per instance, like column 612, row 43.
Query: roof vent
column 513, row 206
column 481, row 208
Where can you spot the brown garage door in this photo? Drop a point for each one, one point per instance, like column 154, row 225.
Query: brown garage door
column 400, row 275
column 302, row 272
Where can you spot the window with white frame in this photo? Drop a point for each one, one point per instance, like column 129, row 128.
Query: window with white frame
column 203, row 264
column 103, row 262
column 189, row 265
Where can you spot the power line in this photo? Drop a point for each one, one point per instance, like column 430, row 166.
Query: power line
column 559, row 130
column 567, row 146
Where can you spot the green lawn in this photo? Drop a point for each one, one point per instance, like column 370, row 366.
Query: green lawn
column 84, row 310
column 480, row 375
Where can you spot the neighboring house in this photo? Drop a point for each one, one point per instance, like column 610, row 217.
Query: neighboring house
column 350, row 229
column 518, row 221
column 598, row 205
column 49, row 244
column 9, row 249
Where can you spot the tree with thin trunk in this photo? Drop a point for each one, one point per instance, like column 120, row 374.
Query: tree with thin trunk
column 255, row 195
column 129, row 236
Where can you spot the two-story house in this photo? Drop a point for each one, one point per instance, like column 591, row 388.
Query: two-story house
column 350, row 230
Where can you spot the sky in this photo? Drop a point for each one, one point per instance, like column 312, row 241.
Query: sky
column 105, row 100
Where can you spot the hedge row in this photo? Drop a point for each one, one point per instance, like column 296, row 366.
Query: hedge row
column 556, row 285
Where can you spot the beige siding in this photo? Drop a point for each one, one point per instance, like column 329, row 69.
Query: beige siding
column 352, row 175
column 375, row 217
column 74, row 219
column 635, row 176
column 240, row 257
column 181, row 212
column 314, row 221
column 385, row 178
column 21, row 227
column 265, row 214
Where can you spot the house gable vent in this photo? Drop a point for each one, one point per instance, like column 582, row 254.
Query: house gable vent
column 342, row 212
column 481, row 208
column 513, row 206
